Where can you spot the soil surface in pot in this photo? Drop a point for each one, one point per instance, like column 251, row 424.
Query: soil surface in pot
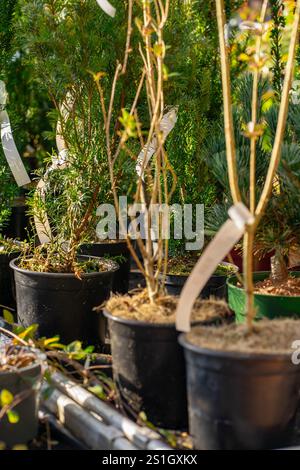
column 56, row 265
column 289, row 287
column 268, row 336
column 138, row 307
column 183, row 265
column 12, row 358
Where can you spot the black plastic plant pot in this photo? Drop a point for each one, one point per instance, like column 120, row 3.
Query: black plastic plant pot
column 216, row 285
column 26, row 383
column 18, row 224
column 266, row 305
column 7, row 295
column 240, row 401
column 115, row 249
column 62, row 304
column 149, row 370
column 136, row 280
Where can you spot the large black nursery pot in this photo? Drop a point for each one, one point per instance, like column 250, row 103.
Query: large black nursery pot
column 7, row 295
column 27, row 382
column 215, row 286
column 240, row 401
column 149, row 370
column 61, row 304
column 117, row 250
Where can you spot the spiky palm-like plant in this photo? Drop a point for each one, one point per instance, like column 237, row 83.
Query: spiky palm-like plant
column 280, row 231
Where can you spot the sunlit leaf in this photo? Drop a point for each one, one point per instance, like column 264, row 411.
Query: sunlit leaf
column 13, row 416
column 6, row 397
column 98, row 391
column 29, row 332
column 20, row 447
column 48, row 341
column 8, row 316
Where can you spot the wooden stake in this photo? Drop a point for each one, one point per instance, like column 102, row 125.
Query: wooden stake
column 228, row 119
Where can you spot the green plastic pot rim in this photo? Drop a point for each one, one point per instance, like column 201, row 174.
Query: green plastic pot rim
column 267, row 273
column 113, row 265
column 232, row 354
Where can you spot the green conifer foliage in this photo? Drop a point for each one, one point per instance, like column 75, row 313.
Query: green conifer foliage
column 67, row 42
column 7, row 186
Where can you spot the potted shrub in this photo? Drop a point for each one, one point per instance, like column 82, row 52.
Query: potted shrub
column 148, row 364
column 82, row 130
column 57, row 287
column 229, row 410
column 20, row 382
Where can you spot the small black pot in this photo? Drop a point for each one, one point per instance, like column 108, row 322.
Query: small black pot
column 149, row 370
column 62, row 304
column 136, row 280
column 7, row 294
column 18, row 223
column 23, row 380
column 116, row 249
column 240, row 401
column 216, row 285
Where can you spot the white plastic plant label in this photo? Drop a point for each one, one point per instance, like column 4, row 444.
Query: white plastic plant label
column 9, row 147
column 228, row 235
column 107, row 7
column 166, row 126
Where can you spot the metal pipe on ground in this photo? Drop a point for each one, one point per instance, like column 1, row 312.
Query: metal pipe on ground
column 142, row 437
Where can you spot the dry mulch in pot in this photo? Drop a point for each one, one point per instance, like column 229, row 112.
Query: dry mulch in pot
column 289, row 287
column 268, row 336
column 138, row 307
column 15, row 357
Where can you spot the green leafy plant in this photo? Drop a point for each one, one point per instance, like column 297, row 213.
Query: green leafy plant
column 69, row 42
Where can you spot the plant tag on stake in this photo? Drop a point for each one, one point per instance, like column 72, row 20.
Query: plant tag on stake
column 166, row 126
column 107, row 7
column 9, row 147
column 228, row 235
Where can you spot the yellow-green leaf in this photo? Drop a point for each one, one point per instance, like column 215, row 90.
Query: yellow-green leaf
column 244, row 57
column 12, row 416
column 6, row 397
column 158, row 49
column 20, row 447
column 48, row 341
column 98, row 391
column 8, row 316
column 29, row 332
